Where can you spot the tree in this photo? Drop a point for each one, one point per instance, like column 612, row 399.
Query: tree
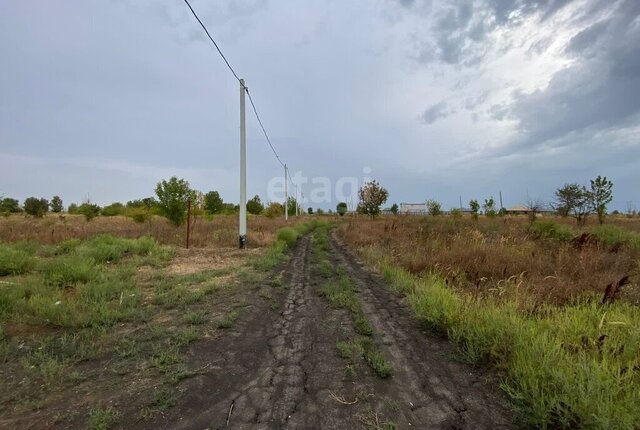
column 310, row 210
column 372, row 196
column 89, row 210
column 173, row 196
column 320, row 211
column 573, row 199
column 489, row 207
column 273, row 210
column 394, row 209
column 113, row 209
column 254, row 206
column 601, row 195
column 341, row 208
column 456, row 213
column 434, row 208
column 36, row 207
column 475, row 208
column 72, row 209
column 10, row 206
column 56, row 204
column 213, row 203
column 291, row 206
column 535, row 205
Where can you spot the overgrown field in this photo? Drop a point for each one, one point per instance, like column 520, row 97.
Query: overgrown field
column 94, row 329
column 218, row 230
column 530, row 300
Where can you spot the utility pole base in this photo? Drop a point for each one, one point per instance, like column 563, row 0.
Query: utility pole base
column 243, row 242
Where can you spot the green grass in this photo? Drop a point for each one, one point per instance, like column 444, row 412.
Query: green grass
column 228, row 319
column 571, row 366
column 15, row 261
column 551, row 230
column 613, row 235
column 364, row 348
column 102, row 418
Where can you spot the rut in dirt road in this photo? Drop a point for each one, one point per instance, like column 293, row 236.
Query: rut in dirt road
column 282, row 370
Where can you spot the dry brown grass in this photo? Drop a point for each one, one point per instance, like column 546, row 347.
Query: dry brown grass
column 221, row 231
column 497, row 256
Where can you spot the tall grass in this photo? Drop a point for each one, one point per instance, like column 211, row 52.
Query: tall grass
column 571, row 366
column 614, row 235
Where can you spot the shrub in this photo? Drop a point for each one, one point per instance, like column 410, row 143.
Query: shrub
column 613, row 235
column 36, row 207
column 56, row 204
column 273, row 210
column 139, row 214
column 551, row 230
column 288, row 235
column 113, row 209
column 89, row 210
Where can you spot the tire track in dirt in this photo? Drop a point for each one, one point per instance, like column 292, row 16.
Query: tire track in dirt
column 434, row 391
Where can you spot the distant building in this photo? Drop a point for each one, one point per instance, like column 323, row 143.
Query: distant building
column 413, row 208
column 518, row 210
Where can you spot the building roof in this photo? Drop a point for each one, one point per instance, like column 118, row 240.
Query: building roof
column 518, row 208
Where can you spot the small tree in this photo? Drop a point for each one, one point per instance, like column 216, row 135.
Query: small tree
column 320, row 211
column 113, row 209
column 341, row 208
column 274, row 209
column 72, row 209
column 56, row 204
column 475, row 208
column 534, row 205
column 434, row 208
column 213, row 203
column 573, row 199
column 36, row 207
column 456, row 213
column 173, row 196
column 372, row 196
column 601, row 195
column 254, row 206
column 394, row 209
column 291, row 206
column 310, row 210
column 9, row 206
column 489, row 207
column 89, row 210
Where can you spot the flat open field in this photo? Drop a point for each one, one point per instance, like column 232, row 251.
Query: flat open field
column 396, row 322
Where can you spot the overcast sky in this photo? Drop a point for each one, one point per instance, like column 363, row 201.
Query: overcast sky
column 435, row 99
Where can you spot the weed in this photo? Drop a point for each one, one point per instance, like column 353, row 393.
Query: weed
column 185, row 336
column 163, row 399
column 67, row 271
column 227, row 320
column 551, row 230
column 195, row 317
column 15, row 261
column 102, row 418
column 165, row 358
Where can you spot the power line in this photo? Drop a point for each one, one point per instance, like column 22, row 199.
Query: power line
column 255, row 111
column 262, row 126
column 213, row 41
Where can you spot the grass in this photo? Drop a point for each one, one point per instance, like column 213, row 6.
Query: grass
column 551, row 230
column 565, row 366
column 614, row 235
column 102, row 418
column 228, row 319
column 363, row 348
column 15, row 261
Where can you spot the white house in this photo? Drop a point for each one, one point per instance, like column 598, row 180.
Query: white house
column 413, row 208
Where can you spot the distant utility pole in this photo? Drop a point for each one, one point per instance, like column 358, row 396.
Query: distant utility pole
column 286, row 195
column 243, row 170
column 297, row 205
column 500, row 199
column 460, row 202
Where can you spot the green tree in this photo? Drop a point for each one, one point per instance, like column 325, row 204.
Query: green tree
column 394, row 209
column 434, row 208
column 36, row 207
column 113, row 209
column 72, row 209
column 254, row 206
column 601, row 195
column 10, row 206
column 489, row 207
column 89, row 210
column 310, row 210
column 56, row 204
column 475, row 208
column 274, row 209
column 291, row 206
column 213, row 203
column 372, row 196
column 573, row 199
column 173, row 196
column 341, row 208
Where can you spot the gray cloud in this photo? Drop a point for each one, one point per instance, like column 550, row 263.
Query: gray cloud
column 434, row 113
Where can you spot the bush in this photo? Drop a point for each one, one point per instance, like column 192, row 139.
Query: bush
column 551, row 230
column 288, row 235
column 613, row 235
column 273, row 210
column 36, row 207
column 113, row 209
column 89, row 210
column 15, row 261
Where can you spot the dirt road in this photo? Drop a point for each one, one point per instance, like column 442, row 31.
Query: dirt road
column 279, row 366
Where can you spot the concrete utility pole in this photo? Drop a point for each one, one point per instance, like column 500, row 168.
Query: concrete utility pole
column 243, row 170
column 286, row 195
column 297, row 202
column 500, row 199
column 460, row 202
